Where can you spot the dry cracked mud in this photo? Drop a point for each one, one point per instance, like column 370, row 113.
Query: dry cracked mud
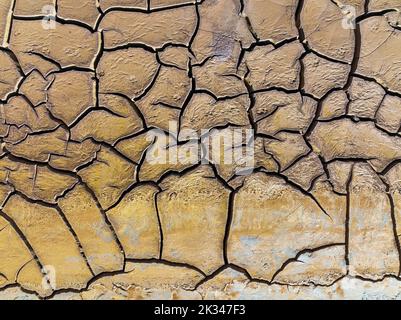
column 87, row 211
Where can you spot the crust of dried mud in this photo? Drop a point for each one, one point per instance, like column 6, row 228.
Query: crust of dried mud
column 87, row 213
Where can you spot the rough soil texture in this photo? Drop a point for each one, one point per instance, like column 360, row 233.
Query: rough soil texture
column 86, row 214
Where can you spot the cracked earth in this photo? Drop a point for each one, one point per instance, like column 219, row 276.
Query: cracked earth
column 85, row 214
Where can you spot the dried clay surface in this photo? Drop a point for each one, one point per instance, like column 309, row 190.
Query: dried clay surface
column 89, row 90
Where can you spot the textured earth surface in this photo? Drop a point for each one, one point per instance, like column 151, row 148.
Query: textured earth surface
column 86, row 214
